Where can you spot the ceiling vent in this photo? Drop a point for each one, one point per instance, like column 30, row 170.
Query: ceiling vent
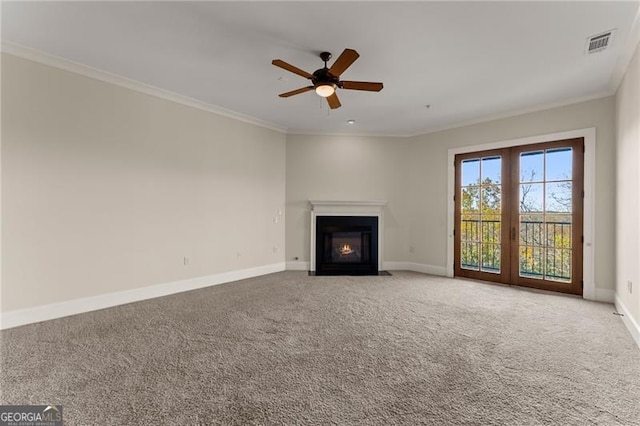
column 599, row 42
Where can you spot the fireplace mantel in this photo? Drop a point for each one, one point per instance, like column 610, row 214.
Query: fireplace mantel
column 346, row 208
column 373, row 203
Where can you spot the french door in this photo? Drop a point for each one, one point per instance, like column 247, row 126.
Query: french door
column 519, row 215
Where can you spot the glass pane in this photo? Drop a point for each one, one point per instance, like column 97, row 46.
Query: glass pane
column 469, row 256
column 532, row 231
column 558, row 265
column 491, row 217
column 560, row 218
column 470, row 172
column 558, row 234
column 545, row 200
column 531, row 262
column 531, row 197
column 491, row 258
column 558, row 197
column 532, row 166
column 470, row 199
column 490, row 199
column 491, row 231
column 559, row 164
column 545, row 239
column 470, row 228
column 491, row 170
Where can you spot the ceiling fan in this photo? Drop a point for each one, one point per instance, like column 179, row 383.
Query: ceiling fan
column 326, row 80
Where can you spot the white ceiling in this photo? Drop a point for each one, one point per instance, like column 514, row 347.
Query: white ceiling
column 468, row 60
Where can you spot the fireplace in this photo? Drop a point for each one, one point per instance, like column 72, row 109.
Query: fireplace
column 346, row 245
column 346, row 237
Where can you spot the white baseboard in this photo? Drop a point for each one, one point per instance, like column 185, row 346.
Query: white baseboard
column 603, row 295
column 415, row 267
column 78, row 306
column 628, row 320
column 599, row 295
column 298, row 265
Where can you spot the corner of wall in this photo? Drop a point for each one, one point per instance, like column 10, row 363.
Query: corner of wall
column 627, row 192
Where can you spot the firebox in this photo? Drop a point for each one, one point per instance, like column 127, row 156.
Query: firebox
column 346, row 245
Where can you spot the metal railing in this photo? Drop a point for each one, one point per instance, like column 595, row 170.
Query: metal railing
column 544, row 248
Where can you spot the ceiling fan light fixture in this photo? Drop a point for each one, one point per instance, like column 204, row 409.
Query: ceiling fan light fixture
column 326, row 81
column 325, row 89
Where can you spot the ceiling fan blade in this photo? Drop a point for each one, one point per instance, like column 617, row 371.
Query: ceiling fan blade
column 361, row 85
column 295, row 92
column 344, row 61
column 282, row 64
column 333, row 101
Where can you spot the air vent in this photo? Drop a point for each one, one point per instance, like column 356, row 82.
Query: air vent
column 599, row 42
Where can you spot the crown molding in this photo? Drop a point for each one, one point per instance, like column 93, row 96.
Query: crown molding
column 515, row 113
column 38, row 56
column 300, row 132
column 464, row 123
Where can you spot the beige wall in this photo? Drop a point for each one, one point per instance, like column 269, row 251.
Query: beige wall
column 107, row 189
column 411, row 173
column 348, row 168
column 628, row 190
column 428, row 175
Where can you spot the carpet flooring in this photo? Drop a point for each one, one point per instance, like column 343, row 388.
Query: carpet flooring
column 292, row 349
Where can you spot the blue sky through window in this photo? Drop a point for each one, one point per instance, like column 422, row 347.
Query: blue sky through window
column 535, row 166
column 558, row 165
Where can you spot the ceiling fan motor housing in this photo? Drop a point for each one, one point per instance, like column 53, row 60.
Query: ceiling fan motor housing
column 322, row 77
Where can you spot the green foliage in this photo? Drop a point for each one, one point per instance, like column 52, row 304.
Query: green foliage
column 545, row 240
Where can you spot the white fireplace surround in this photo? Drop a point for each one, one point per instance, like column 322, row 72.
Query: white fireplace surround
column 371, row 208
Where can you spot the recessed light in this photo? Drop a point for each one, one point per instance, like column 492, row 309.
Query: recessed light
column 351, row 121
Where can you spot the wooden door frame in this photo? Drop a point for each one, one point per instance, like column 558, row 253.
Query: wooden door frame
column 505, row 271
column 510, row 212
column 577, row 191
column 589, row 135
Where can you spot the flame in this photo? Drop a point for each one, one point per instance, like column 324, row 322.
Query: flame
column 346, row 249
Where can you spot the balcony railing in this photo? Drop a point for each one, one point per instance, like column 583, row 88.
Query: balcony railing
column 544, row 248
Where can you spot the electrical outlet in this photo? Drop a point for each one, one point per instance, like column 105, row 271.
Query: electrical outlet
column 275, row 249
column 186, row 261
column 630, row 286
column 412, row 249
